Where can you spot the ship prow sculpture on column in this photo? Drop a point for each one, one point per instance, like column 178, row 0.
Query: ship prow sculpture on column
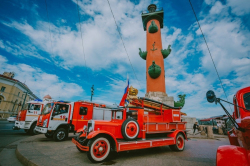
column 154, row 56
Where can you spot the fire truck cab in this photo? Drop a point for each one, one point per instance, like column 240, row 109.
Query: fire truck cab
column 27, row 117
column 57, row 119
column 238, row 153
column 147, row 124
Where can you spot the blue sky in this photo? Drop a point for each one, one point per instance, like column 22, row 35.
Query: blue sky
column 47, row 54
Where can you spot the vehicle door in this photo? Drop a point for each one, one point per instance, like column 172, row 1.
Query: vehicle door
column 33, row 111
column 59, row 115
column 83, row 112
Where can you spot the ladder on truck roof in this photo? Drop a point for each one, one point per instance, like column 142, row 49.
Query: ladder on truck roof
column 151, row 104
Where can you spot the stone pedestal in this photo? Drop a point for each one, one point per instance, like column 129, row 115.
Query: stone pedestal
column 220, row 131
column 210, row 133
column 161, row 97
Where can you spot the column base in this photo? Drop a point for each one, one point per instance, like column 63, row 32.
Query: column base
column 161, row 97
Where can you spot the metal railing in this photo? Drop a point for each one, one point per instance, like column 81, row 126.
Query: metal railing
column 157, row 10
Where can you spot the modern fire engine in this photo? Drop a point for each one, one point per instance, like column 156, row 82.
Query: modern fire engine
column 27, row 117
column 59, row 118
column 238, row 153
column 147, row 124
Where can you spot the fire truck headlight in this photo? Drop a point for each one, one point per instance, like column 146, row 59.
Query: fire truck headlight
column 85, row 129
column 90, row 129
column 91, row 125
column 45, row 122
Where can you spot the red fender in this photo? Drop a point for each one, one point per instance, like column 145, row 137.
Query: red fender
column 95, row 133
column 176, row 132
column 79, row 130
column 231, row 155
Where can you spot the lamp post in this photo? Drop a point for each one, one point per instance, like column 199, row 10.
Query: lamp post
column 24, row 99
column 92, row 92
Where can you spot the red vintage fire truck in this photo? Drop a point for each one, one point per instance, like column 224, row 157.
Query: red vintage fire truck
column 148, row 124
column 27, row 117
column 238, row 153
column 59, row 118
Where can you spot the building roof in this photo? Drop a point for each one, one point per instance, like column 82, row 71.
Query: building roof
column 20, row 83
column 47, row 97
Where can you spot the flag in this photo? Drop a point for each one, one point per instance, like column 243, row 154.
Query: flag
column 124, row 97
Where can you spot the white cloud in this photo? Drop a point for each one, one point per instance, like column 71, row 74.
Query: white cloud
column 239, row 7
column 216, row 9
column 41, row 83
column 21, row 50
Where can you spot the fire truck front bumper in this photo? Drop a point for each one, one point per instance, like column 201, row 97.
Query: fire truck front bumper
column 19, row 125
column 42, row 130
column 80, row 146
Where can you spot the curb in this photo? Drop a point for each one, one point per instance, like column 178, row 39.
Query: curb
column 215, row 137
column 23, row 159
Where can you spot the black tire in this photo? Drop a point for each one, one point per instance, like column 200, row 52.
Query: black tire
column 26, row 131
column 180, row 143
column 60, row 135
column 130, row 129
column 32, row 130
column 48, row 135
column 100, row 155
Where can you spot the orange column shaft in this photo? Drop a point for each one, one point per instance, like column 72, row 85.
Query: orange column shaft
column 158, row 84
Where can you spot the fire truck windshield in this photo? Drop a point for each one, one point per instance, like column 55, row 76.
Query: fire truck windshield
column 34, row 106
column 48, row 107
column 246, row 98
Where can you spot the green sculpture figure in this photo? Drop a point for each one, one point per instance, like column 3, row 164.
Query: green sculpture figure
column 166, row 52
column 154, row 70
column 153, row 27
column 181, row 102
column 143, row 54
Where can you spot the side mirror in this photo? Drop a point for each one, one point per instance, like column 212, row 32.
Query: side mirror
column 210, row 96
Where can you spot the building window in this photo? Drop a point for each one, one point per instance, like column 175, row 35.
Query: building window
column 18, row 94
column 3, row 89
column 1, row 100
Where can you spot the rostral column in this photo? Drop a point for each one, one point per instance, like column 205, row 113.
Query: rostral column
column 155, row 55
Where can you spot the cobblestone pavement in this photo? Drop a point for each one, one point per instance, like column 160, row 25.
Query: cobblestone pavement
column 39, row 150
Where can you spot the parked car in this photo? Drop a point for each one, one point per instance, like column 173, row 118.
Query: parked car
column 12, row 119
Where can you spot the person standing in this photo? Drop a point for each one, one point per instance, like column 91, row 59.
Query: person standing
column 195, row 126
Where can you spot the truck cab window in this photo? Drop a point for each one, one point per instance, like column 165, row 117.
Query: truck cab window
column 83, row 111
column 37, row 107
column 60, row 109
column 117, row 114
column 246, row 98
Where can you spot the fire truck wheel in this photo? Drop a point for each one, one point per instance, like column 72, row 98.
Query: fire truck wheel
column 60, row 135
column 130, row 129
column 99, row 149
column 48, row 135
column 32, row 130
column 26, row 130
column 180, row 143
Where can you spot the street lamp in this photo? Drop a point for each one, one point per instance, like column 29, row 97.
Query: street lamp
column 24, row 98
column 92, row 92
